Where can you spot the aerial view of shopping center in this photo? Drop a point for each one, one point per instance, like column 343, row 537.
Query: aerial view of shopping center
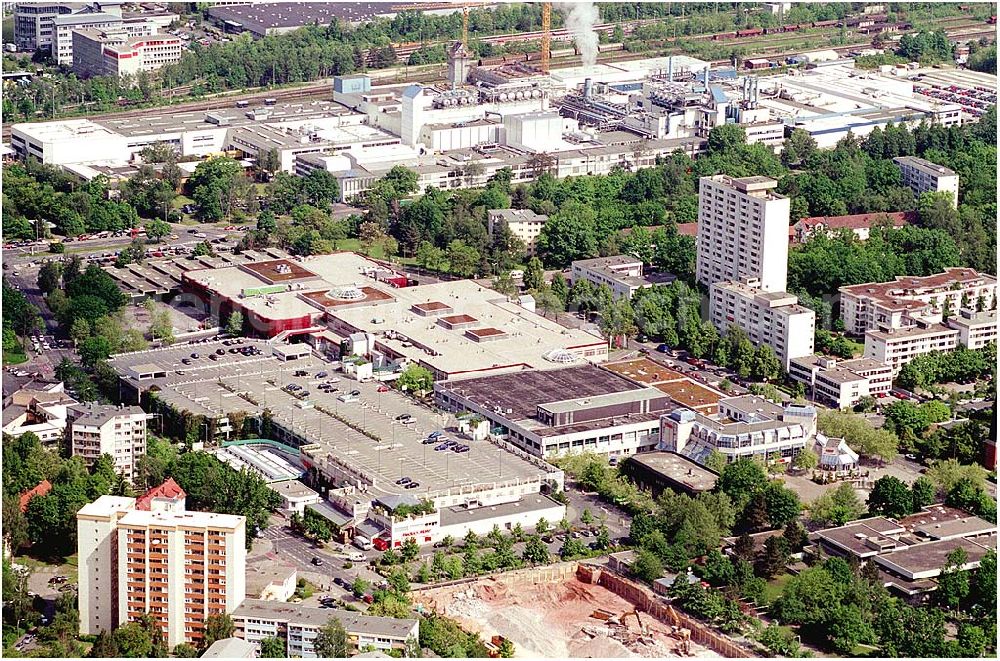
column 499, row 329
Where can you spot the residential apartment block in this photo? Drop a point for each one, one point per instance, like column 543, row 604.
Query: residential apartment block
column 897, row 346
column 178, row 566
column 922, row 176
column 911, row 316
column 525, row 224
column 621, row 273
column 841, row 383
column 39, row 408
column 892, row 304
column 298, row 625
column 745, row 426
column 742, row 231
column 768, row 317
column 114, row 52
column 118, row 431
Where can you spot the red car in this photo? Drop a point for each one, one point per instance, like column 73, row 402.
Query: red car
column 368, row 598
column 383, row 388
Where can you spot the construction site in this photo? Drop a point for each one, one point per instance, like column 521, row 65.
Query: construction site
column 555, row 613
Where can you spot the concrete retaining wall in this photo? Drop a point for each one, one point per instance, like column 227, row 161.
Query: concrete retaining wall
column 644, row 599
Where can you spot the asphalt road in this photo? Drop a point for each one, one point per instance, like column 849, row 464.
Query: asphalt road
column 291, row 548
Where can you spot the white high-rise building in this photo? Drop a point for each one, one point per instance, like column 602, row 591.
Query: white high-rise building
column 773, row 318
column 151, row 556
column 97, row 545
column 119, row 432
column 742, row 231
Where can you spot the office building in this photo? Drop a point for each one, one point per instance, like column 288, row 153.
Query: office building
column 841, row 383
column 33, row 22
column 65, row 25
column 895, row 304
column 742, row 231
column 773, row 318
column 115, row 53
column 524, row 224
column 745, row 426
column 119, row 432
column 922, row 176
column 298, row 625
column 623, row 274
column 180, row 567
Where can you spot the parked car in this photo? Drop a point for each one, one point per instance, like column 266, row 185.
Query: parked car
column 411, row 485
column 403, row 480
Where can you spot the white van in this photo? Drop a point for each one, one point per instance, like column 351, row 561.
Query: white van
column 348, row 397
column 355, row 556
column 516, row 274
column 363, row 543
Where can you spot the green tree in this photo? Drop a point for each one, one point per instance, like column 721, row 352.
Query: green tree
column 535, row 551
column 217, row 627
column 273, row 647
column 506, row 649
column 890, row 497
column 923, row 492
column 534, row 274
column 416, row 378
column 646, row 566
column 740, row 480
column 765, row 365
column 186, row 651
column 836, row 506
column 409, row 550
column 359, row 587
column 157, row 229
column 132, row 641
column 569, row 234
column 234, row 325
column 953, row 583
column 715, row 461
column 331, row 640
column 805, row 460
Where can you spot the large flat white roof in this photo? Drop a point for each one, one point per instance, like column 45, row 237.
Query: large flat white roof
column 64, row 130
column 527, row 335
column 199, row 519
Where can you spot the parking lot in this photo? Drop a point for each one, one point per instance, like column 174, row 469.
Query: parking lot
column 385, row 449
column 396, row 451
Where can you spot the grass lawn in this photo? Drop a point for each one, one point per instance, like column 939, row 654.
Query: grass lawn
column 774, row 587
column 14, row 356
column 69, row 567
column 354, row 245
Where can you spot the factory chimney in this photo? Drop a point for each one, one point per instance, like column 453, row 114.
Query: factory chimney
column 708, row 67
column 588, row 87
column 670, row 69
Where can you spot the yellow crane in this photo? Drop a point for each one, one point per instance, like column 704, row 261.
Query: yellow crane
column 546, row 35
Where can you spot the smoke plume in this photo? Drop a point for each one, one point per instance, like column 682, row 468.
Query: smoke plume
column 580, row 21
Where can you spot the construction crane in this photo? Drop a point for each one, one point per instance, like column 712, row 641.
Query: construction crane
column 546, row 35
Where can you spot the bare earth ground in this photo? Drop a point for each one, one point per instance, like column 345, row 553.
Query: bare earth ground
column 553, row 619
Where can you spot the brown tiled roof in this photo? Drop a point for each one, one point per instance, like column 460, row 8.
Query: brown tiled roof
column 168, row 489
column 41, row 489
